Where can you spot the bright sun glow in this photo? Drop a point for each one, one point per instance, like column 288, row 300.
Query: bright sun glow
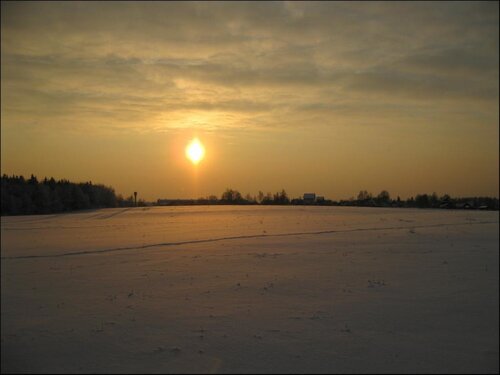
column 195, row 151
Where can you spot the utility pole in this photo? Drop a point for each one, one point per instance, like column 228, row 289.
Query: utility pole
column 135, row 198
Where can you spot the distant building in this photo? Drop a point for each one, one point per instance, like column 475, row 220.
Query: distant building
column 309, row 197
column 465, row 205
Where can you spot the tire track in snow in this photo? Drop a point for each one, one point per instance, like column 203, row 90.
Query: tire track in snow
column 98, row 215
column 114, row 213
column 189, row 242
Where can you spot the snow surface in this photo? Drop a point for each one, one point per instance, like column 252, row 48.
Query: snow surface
column 224, row 289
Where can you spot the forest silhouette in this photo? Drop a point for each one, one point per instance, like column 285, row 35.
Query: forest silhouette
column 20, row 196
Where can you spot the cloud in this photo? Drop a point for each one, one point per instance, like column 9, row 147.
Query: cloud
column 462, row 62
column 153, row 65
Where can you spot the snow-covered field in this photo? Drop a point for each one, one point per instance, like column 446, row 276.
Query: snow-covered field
column 224, row 289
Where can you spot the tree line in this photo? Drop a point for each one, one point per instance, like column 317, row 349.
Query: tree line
column 20, row 196
column 280, row 197
column 383, row 199
column 363, row 199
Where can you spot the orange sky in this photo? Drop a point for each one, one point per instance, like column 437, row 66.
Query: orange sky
column 327, row 97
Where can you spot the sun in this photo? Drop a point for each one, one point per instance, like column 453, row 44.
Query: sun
column 195, row 151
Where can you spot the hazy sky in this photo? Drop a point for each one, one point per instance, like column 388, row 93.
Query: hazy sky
column 326, row 97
